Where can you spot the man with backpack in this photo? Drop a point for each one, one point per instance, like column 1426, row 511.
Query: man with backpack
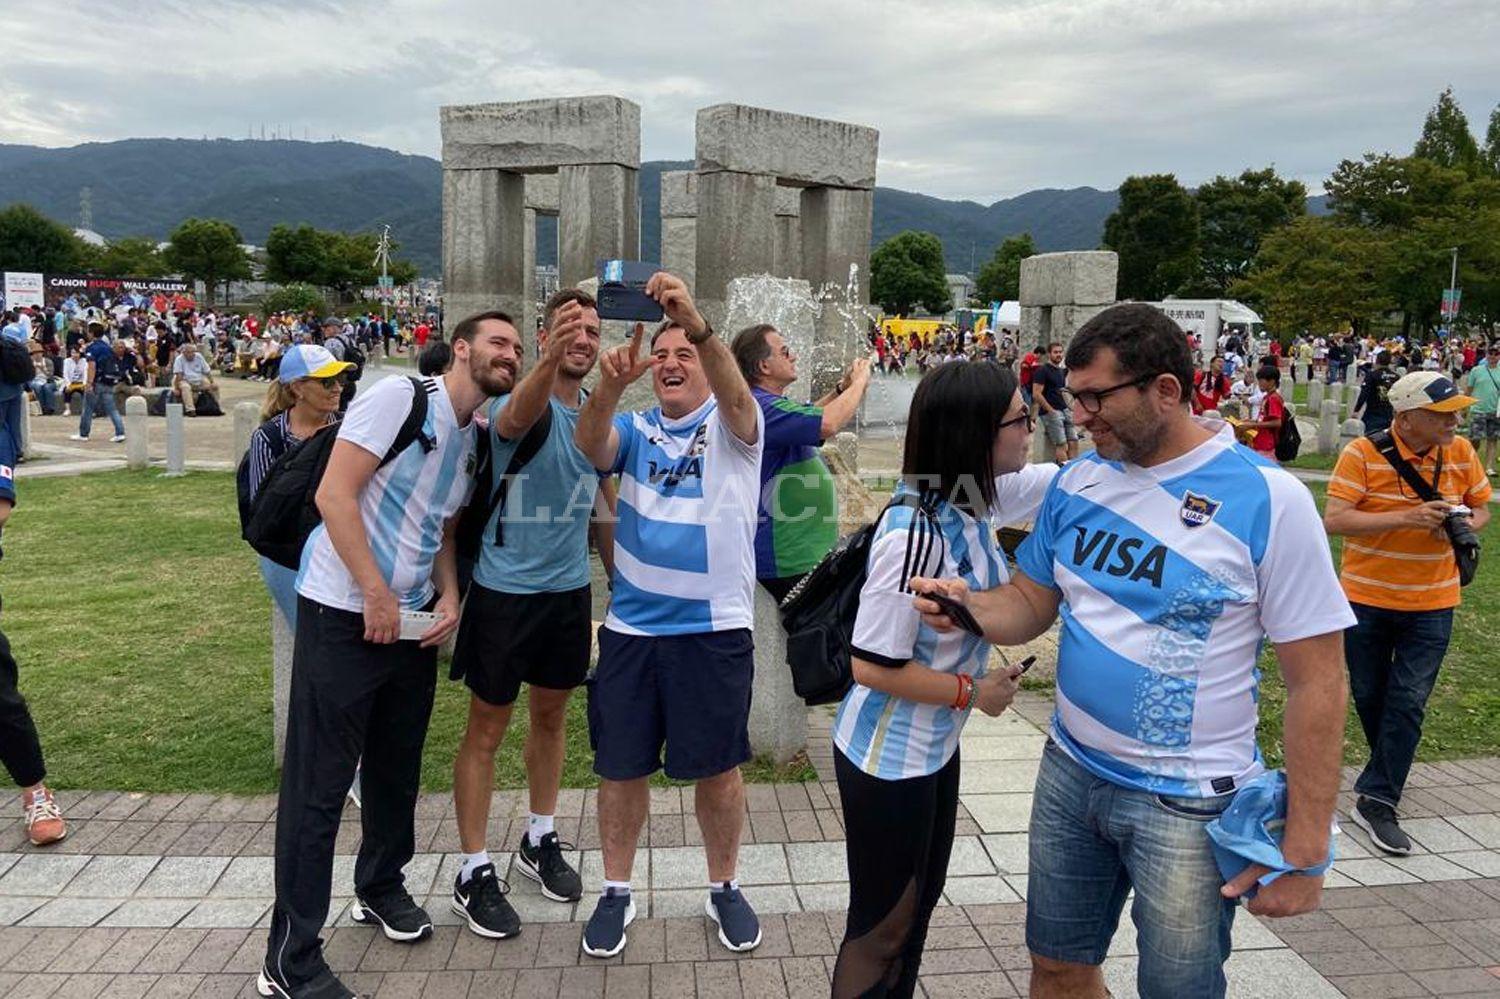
column 343, row 347
column 365, row 660
column 99, row 386
column 1273, row 414
column 527, row 618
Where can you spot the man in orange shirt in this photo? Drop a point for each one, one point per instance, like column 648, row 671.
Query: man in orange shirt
column 1401, row 578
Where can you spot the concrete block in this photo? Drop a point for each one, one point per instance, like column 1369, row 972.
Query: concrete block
column 736, row 232
column 484, row 252
column 787, row 304
column 1036, row 326
column 1315, row 391
column 778, row 718
column 1348, row 431
column 542, row 193
column 679, row 247
column 246, row 419
column 176, row 440
column 283, row 641
column 679, row 194
column 538, row 136
column 1067, row 319
column 787, row 254
column 602, row 221
column 788, row 201
column 1082, row 277
column 793, row 147
column 138, row 434
column 836, row 237
column 1328, row 426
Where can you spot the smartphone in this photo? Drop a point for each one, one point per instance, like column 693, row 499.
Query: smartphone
column 957, row 613
column 415, row 624
column 622, row 291
column 1026, row 664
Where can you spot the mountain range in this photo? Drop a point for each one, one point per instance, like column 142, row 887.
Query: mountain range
column 144, row 187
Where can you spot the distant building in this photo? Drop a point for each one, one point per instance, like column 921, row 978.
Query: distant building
column 960, row 289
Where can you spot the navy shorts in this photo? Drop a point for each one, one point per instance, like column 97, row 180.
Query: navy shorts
column 689, row 692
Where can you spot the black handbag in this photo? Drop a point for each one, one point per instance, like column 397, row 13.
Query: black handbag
column 1461, row 534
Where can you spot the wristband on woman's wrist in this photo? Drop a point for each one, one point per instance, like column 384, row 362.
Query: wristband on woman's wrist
column 965, row 692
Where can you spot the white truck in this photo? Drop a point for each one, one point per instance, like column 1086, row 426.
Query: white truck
column 1211, row 319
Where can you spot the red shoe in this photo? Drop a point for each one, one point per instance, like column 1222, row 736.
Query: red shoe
column 44, row 821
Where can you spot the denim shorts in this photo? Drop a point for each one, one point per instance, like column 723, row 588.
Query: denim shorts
column 1484, row 426
column 1058, row 426
column 1091, row 842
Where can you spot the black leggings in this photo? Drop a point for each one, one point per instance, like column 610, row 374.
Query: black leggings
column 20, row 751
column 898, row 836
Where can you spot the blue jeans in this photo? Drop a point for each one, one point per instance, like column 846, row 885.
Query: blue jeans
column 105, row 396
column 1393, row 659
column 281, row 583
column 1091, row 842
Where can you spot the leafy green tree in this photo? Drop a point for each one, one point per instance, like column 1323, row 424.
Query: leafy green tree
column 208, row 250
column 30, row 241
column 344, row 262
column 999, row 280
column 1319, row 275
column 1489, row 156
column 1446, row 139
column 133, row 256
column 1388, row 192
column 906, row 271
column 1234, row 216
column 298, row 298
column 1155, row 232
column 295, row 254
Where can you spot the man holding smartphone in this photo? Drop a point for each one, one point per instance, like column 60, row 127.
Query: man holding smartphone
column 360, row 693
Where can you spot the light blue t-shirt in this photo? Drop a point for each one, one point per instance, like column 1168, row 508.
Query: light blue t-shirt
column 547, row 512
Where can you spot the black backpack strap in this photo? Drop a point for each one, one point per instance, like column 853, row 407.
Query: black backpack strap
column 926, row 507
column 411, row 428
column 526, row 450
column 1385, row 443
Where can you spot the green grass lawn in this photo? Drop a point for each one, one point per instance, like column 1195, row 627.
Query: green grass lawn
column 142, row 631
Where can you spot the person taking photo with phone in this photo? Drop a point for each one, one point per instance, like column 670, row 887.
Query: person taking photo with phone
column 897, row 730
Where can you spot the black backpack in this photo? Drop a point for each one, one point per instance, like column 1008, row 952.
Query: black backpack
column 15, row 362
column 818, row 614
column 1288, row 438
column 205, row 404
column 285, row 510
column 354, row 356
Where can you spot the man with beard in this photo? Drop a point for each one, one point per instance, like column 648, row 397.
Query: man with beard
column 385, row 547
column 1170, row 553
column 528, row 613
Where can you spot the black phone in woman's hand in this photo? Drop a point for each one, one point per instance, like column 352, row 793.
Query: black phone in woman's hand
column 957, row 612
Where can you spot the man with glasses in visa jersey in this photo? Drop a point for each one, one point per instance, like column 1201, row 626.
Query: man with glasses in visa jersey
column 1169, row 553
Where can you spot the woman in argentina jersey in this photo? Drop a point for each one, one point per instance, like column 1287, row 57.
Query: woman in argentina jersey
column 897, row 730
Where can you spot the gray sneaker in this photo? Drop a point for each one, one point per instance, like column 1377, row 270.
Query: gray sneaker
column 1379, row 820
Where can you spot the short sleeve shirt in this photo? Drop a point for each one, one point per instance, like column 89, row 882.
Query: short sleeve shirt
column 797, row 520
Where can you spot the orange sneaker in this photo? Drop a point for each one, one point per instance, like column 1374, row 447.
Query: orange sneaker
column 44, row 821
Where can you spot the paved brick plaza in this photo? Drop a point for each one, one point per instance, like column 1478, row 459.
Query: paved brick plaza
column 167, row 895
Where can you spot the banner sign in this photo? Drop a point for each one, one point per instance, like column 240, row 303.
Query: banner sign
column 22, row 289
column 134, row 291
column 1451, row 298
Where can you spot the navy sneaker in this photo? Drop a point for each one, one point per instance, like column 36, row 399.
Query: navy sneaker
column 545, row 865
column 604, row 936
column 1379, row 820
column 739, row 930
column 482, row 903
column 399, row 917
column 324, row 986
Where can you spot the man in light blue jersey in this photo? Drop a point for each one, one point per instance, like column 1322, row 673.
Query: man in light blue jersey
column 1170, row 553
column 675, row 653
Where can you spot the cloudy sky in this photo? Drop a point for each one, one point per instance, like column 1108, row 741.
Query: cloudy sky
column 981, row 99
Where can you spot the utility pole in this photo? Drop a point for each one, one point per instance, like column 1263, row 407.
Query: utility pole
column 1453, row 292
column 383, row 258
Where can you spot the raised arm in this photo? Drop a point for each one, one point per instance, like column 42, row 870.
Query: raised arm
column 528, row 401
column 840, row 409
column 737, row 407
column 596, row 435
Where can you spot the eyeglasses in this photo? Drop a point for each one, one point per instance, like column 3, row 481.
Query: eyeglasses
column 332, row 381
column 1023, row 418
column 1091, row 400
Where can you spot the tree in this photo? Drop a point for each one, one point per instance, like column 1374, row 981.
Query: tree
column 1234, row 215
column 1446, row 139
column 344, row 262
column 1155, row 232
column 1489, row 156
column 133, row 256
column 208, row 250
column 297, row 298
column 907, row 270
column 295, row 255
column 999, row 279
column 30, row 241
column 1319, row 275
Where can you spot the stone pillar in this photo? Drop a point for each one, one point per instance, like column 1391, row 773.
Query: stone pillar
column 836, row 226
column 137, row 434
column 788, row 251
column 778, row 718
column 1328, row 425
column 282, row 644
column 1335, row 391
column 25, row 428
column 246, row 419
column 1315, row 391
column 735, row 235
column 601, row 221
column 1353, row 391
column 679, row 225
column 484, row 251
column 1348, row 431
column 176, row 442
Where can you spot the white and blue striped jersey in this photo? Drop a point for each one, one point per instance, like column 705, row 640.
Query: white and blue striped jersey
column 887, row 736
column 405, row 503
column 685, row 530
column 1170, row 578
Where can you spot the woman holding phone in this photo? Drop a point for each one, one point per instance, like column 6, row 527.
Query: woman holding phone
column 964, row 471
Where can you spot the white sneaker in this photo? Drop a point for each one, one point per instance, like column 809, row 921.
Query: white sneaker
column 117, row 438
column 77, row 437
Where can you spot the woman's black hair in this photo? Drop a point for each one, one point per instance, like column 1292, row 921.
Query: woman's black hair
column 435, row 359
column 950, row 432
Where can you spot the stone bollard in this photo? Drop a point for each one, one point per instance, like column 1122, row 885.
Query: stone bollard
column 246, row 419
column 1348, row 431
column 282, row 643
column 176, row 442
column 847, row 445
column 1336, row 393
column 25, row 429
column 137, row 433
column 1328, row 426
column 1315, row 396
column 778, row 718
column 1353, row 391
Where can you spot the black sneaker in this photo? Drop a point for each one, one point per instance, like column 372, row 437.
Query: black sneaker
column 400, row 918
column 324, row 986
column 482, row 902
column 604, row 936
column 545, row 865
column 739, row 929
column 1379, row 820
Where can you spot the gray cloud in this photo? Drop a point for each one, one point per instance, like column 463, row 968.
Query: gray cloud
column 978, row 99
